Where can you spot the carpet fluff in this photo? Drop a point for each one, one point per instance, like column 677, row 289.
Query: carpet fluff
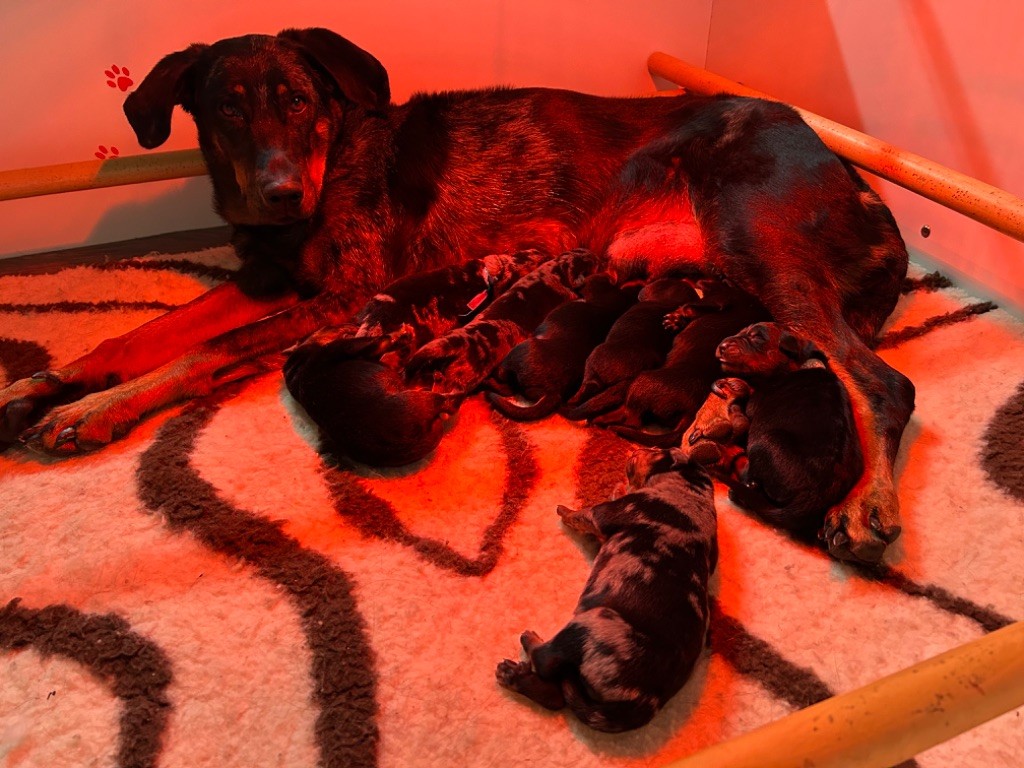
column 211, row 591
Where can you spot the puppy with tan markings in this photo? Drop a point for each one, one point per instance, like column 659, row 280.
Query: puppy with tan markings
column 642, row 620
column 802, row 455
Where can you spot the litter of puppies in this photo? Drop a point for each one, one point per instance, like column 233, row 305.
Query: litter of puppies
column 688, row 363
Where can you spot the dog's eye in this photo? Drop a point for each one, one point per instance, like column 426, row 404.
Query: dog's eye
column 298, row 103
column 229, row 110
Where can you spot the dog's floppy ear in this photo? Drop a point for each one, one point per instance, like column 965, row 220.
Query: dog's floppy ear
column 149, row 107
column 360, row 77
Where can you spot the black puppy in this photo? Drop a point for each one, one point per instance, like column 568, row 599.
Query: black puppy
column 642, row 620
column 670, row 396
column 548, row 367
column 456, row 363
column 637, row 341
column 364, row 408
column 802, row 454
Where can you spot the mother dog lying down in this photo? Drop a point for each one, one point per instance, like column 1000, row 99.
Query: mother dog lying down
column 333, row 192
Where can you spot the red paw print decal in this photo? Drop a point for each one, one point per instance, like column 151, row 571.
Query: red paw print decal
column 117, row 77
column 105, row 154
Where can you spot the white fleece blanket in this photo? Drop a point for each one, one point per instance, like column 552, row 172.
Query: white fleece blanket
column 208, row 592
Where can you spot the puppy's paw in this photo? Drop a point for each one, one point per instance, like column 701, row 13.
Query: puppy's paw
column 509, row 673
column 677, row 319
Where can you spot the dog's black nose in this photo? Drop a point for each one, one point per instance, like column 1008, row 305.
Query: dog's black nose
column 286, row 193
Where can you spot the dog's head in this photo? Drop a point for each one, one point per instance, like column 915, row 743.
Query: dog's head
column 267, row 109
column 765, row 349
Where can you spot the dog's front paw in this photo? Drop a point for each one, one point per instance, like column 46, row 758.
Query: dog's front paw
column 22, row 402
column 84, row 425
column 861, row 527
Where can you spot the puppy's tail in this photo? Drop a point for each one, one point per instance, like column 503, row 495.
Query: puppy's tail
column 669, row 439
column 602, row 402
column 507, row 406
column 608, row 716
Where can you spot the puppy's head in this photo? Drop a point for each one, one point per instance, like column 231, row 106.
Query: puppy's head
column 765, row 349
column 267, row 109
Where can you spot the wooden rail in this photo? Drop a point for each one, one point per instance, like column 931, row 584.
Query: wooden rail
column 980, row 201
column 94, row 174
column 892, row 719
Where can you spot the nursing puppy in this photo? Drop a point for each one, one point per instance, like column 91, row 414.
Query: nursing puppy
column 419, row 307
column 669, row 397
column 802, row 454
column 636, row 342
column 364, row 408
column 548, row 367
column 458, row 362
column 642, row 620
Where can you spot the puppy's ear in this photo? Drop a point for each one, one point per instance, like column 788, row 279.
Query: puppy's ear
column 360, row 77
column 794, row 347
column 171, row 82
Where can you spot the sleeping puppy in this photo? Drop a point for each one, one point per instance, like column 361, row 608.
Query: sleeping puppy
column 422, row 306
column 548, row 367
column 802, row 453
column 717, row 438
column 458, row 362
column 363, row 408
column 637, row 341
column 668, row 397
column 642, row 620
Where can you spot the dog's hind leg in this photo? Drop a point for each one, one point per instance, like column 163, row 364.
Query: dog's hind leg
column 883, row 400
column 860, row 527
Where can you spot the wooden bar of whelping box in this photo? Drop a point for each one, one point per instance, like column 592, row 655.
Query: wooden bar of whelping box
column 980, row 201
column 94, row 174
column 892, row 719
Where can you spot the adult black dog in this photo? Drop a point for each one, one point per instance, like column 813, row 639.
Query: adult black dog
column 334, row 192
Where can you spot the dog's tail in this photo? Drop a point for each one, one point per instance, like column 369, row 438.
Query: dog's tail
column 507, row 406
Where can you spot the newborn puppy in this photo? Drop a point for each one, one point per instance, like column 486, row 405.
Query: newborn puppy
column 637, row 341
column 642, row 620
column 802, row 453
column 717, row 438
column 548, row 367
column 458, row 362
column 670, row 396
column 422, row 306
column 363, row 408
